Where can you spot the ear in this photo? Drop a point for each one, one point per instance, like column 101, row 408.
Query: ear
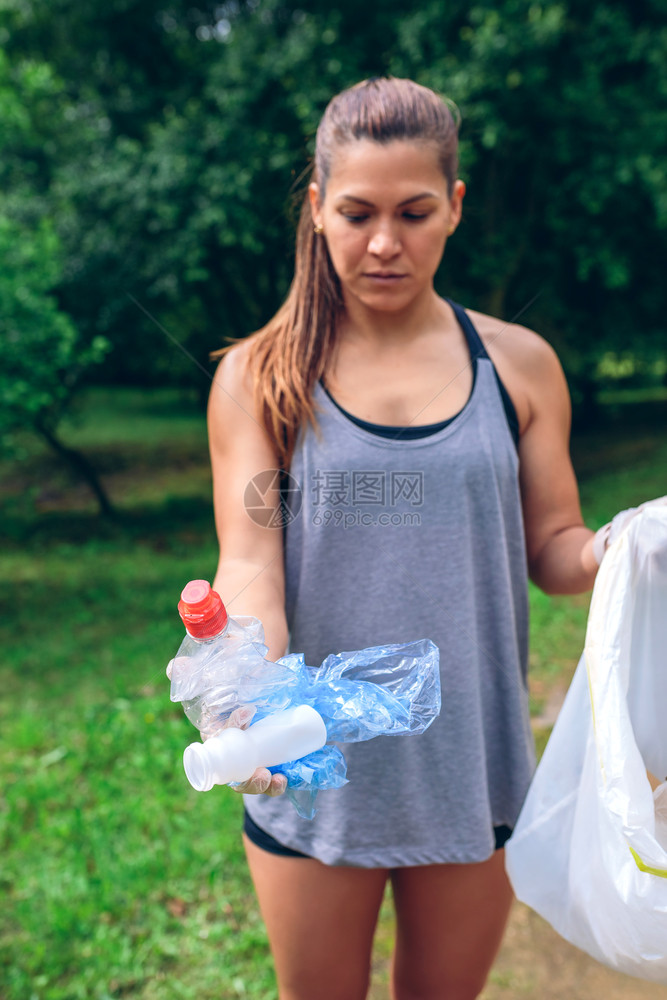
column 315, row 207
column 456, row 202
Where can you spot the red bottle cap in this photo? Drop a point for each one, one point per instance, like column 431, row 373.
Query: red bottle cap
column 202, row 610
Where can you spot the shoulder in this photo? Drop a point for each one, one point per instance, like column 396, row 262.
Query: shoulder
column 235, row 368
column 516, row 343
column 234, row 410
column 233, row 395
column 527, row 365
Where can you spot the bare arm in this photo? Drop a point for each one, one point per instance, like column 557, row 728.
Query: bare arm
column 562, row 556
column 250, row 575
column 559, row 545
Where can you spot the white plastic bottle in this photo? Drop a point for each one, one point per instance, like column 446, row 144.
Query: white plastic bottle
column 233, row 754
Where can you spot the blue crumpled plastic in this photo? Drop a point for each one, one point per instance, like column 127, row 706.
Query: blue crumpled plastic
column 378, row 691
column 318, row 771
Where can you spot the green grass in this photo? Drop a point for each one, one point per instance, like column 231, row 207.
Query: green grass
column 117, row 879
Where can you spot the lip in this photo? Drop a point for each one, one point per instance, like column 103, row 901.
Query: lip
column 384, row 275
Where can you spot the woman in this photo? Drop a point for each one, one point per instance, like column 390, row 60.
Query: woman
column 430, row 447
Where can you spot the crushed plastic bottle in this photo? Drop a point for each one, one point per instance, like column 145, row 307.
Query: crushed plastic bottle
column 221, row 664
column 221, row 668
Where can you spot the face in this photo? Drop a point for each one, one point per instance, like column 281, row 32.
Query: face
column 386, row 215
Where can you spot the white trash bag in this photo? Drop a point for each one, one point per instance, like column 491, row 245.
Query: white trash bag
column 589, row 851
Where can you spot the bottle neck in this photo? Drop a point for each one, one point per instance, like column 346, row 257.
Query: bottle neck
column 207, row 640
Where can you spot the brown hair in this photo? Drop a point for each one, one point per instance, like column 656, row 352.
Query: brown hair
column 293, row 350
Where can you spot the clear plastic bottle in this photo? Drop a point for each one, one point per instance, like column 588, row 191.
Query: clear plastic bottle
column 223, row 675
column 221, row 664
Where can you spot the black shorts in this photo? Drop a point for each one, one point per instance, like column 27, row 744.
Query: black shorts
column 268, row 843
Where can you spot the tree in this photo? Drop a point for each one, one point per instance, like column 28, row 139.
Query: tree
column 42, row 357
column 42, row 360
column 168, row 182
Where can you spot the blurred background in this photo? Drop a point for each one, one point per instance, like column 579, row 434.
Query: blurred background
column 153, row 156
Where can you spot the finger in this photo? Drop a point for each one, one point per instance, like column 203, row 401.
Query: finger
column 262, row 782
column 601, row 542
column 278, row 785
column 241, row 717
column 255, row 785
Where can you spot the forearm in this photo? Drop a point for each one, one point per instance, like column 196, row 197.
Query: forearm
column 247, row 588
column 566, row 563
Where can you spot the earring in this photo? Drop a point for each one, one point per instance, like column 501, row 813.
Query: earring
column 451, row 230
column 318, row 229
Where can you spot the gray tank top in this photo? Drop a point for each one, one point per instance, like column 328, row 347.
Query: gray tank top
column 398, row 540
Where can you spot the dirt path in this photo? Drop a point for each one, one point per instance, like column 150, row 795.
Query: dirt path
column 536, row 963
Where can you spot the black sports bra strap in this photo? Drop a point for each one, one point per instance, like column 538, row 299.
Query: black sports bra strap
column 475, row 345
column 478, row 350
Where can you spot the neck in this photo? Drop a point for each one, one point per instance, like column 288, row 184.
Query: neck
column 384, row 328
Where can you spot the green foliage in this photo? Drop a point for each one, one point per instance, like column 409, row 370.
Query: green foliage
column 165, row 143
column 41, row 357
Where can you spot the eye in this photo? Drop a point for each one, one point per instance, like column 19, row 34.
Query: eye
column 414, row 216
column 354, row 218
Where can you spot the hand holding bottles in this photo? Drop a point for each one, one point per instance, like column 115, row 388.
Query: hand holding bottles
column 222, row 677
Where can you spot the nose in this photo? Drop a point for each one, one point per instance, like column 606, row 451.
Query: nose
column 384, row 242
